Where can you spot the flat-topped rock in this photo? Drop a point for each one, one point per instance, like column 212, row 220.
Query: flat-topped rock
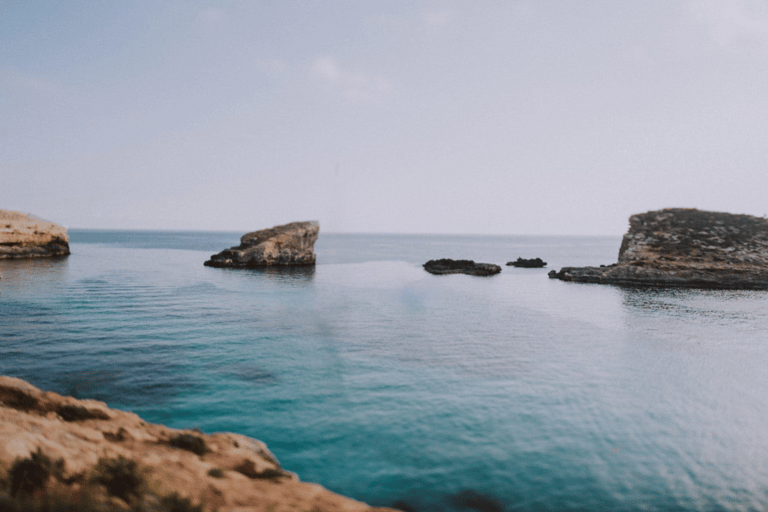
column 469, row 267
column 68, row 451
column 287, row 245
column 527, row 263
column 26, row 236
column 685, row 247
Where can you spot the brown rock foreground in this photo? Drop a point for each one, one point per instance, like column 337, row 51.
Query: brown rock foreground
column 25, row 236
column 685, row 247
column 85, row 456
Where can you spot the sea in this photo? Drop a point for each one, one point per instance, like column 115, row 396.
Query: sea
column 396, row 387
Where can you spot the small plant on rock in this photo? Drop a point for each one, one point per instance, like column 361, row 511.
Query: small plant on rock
column 216, row 473
column 30, row 474
column 189, row 442
column 120, row 476
column 175, row 503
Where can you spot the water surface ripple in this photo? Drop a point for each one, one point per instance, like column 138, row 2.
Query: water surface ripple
column 393, row 386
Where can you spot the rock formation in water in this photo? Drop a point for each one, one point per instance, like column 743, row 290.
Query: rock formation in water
column 288, row 245
column 530, row 263
column 25, row 236
column 684, row 247
column 79, row 455
column 469, row 267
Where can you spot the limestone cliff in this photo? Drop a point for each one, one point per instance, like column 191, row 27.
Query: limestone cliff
column 685, row 247
column 25, row 236
column 287, row 245
column 60, row 449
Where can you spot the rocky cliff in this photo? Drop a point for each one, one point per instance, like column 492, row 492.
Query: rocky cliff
column 79, row 455
column 286, row 245
column 684, row 247
column 25, row 236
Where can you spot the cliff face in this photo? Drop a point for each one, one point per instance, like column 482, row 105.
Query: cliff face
column 688, row 248
column 24, row 236
column 73, row 451
column 287, row 245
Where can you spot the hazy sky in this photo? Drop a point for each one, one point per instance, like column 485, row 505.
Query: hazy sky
column 508, row 117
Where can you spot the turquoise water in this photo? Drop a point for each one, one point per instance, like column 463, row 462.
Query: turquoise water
column 390, row 385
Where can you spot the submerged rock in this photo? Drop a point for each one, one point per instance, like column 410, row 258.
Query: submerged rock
column 65, row 452
column 26, row 236
column 685, row 247
column 287, row 245
column 531, row 263
column 469, row 267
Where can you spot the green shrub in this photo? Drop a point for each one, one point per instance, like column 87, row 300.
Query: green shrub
column 120, row 476
column 80, row 413
column 175, row 503
column 30, row 474
column 189, row 442
column 216, row 473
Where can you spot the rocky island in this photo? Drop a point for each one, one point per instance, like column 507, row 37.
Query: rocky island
column 527, row 263
column 26, row 236
column 287, row 245
column 60, row 453
column 469, row 267
column 685, row 247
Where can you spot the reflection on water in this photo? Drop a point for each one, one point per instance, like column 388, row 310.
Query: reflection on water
column 33, row 271
column 290, row 275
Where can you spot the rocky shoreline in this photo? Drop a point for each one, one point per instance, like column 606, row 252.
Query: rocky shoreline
column 26, row 236
column 469, row 267
column 79, row 455
column 281, row 246
column 688, row 248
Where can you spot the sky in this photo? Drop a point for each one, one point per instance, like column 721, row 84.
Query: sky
column 385, row 116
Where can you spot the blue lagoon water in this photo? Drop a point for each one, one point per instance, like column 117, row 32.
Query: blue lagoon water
column 390, row 385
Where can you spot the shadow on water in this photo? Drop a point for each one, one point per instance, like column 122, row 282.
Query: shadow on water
column 468, row 500
column 20, row 272
column 247, row 372
column 288, row 275
column 656, row 299
column 126, row 387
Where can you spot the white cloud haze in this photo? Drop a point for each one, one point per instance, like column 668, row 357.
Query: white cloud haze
column 383, row 116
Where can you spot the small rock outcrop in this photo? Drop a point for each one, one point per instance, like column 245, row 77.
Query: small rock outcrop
column 469, row 267
column 288, row 245
column 524, row 263
column 685, row 247
column 81, row 455
column 26, row 236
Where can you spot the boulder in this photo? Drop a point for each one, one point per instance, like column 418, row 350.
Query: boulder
column 531, row 263
column 60, row 452
column 288, row 245
column 26, row 236
column 685, row 247
column 469, row 267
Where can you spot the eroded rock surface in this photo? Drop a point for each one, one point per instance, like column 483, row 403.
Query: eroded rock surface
column 685, row 247
column 469, row 267
column 527, row 263
column 287, row 245
column 25, row 236
column 89, row 445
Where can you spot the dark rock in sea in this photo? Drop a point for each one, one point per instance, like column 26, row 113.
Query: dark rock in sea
column 26, row 236
column 473, row 500
column 469, row 267
column 523, row 263
column 288, row 245
column 685, row 247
